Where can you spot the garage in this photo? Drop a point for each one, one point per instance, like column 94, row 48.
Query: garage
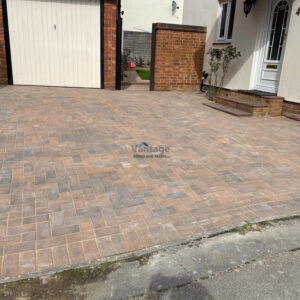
column 55, row 42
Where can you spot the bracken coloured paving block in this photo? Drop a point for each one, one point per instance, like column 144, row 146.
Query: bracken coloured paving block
column 220, row 171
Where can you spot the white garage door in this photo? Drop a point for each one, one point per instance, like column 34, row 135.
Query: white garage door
column 55, row 43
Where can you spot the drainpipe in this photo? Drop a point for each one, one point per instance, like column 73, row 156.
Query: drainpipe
column 119, row 47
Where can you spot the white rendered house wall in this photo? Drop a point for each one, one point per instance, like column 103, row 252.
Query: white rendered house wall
column 139, row 15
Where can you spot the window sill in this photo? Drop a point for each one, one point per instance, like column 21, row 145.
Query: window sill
column 221, row 43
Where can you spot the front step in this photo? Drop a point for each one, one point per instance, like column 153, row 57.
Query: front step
column 251, row 106
column 274, row 103
column 227, row 109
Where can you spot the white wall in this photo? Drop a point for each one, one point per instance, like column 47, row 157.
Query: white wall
column 289, row 86
column 245, row 33
column 202, row 13
column 245, row 38
column 139, row 15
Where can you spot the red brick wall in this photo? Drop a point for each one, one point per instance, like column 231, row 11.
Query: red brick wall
column 177, row 57
column 110, row 36
column 275, row 106
column 3, row 65
column 291, row 107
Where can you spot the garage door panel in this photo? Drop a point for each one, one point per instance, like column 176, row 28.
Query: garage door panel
column 55, row 43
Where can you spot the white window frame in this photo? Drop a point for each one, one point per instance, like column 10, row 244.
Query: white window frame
column 225, row 38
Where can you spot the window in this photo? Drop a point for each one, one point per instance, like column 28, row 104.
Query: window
column 226, row 21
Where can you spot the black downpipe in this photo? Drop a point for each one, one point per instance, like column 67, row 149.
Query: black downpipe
column 7, row 43
column 102, row 42
column 119, row 47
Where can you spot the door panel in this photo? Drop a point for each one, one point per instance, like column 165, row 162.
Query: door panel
column 55, row 42
column 270, row 72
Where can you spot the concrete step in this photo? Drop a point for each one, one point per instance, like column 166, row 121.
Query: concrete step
column 227, row 109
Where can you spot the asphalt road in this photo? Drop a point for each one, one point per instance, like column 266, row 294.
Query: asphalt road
column 275, row 277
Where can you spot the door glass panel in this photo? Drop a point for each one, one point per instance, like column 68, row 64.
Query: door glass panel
column 278, row 30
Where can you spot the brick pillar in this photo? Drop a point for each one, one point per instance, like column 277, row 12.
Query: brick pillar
column 177, row 57
column 3, row 64
column 110, row 36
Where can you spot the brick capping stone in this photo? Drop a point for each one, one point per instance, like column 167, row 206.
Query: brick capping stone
column 179, row 27
column 177, row 57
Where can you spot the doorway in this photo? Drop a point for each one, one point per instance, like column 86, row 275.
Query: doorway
column 272, row 45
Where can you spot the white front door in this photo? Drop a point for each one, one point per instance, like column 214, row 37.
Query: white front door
column 272, row 45
column 55, row 42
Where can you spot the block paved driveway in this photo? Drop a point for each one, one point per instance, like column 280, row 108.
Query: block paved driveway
column 72, row 192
